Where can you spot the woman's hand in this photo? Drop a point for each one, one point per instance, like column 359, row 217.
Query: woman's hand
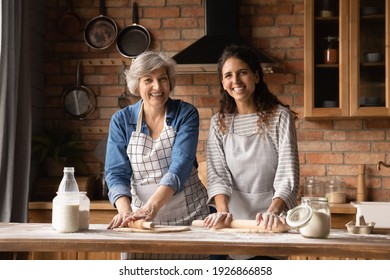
column 270, row 220
column 147, row 213
column 214, row 219
column 119, row 220
column 124, row 211
column 222, row 216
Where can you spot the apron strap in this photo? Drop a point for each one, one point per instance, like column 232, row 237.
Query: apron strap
column 231, row 129
column 139, row 121
column 140, row 118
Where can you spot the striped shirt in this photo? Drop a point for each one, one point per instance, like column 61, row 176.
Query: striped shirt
column 282, row 133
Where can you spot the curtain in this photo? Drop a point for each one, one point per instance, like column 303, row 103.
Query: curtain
column 15, row 111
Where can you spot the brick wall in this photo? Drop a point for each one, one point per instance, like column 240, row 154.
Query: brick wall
column 327, row 148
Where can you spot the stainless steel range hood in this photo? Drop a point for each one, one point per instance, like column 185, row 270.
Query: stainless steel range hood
column 221, row 30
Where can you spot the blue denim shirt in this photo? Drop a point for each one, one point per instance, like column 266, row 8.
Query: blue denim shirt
column 182, row 116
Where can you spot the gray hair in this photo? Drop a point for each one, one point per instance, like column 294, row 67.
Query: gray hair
column 146, row 63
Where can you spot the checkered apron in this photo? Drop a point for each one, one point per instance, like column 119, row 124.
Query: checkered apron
column 150, row 159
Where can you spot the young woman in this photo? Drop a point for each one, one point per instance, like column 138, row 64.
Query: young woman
column 252, row 155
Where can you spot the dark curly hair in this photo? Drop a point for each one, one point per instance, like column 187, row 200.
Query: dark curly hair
column 265, row 101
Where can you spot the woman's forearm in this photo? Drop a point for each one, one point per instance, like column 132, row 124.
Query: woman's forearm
column 123, row 205
column 277, row 206
column 221, row 203
column 160, row 197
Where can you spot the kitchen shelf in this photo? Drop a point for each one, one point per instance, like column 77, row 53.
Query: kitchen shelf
column 351, row 79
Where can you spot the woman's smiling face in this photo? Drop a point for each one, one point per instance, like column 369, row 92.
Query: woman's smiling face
column 155, row 87
column 239, row 80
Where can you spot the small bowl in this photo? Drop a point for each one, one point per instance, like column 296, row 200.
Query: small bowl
column 373, row 57
column 326, row 13
column 363, row 229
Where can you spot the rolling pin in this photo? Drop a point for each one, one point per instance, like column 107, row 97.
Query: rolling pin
column 141, row 224
column 244, row 224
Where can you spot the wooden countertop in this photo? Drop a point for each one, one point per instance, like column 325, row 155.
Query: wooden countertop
column 40, row 237
column 342, row 208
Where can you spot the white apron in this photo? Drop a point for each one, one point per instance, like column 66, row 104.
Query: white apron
column 252, row 187
column 150, row 159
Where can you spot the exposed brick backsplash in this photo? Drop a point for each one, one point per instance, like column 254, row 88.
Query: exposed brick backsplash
column 326, row 148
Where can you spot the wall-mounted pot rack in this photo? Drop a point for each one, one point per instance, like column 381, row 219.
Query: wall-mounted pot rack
column 99, row 62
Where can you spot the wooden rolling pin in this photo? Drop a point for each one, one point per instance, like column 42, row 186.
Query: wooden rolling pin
column 141, row 224
column 243, row 225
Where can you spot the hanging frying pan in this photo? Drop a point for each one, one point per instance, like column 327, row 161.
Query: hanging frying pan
column 133, row 40
column 101, row 31
column 69, row 23
column 79, row 101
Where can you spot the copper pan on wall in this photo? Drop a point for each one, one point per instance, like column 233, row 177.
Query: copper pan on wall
column 101, row 31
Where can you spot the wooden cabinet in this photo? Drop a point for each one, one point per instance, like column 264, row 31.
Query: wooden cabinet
column 346, row 58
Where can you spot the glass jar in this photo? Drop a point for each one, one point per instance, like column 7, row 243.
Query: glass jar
column 65, row 212
column 84, row 210
column 335, row 191
column 312, row 217
column 313, row 188
column 331, row 55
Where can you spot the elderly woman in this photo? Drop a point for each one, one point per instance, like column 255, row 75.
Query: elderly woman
column 151, row 167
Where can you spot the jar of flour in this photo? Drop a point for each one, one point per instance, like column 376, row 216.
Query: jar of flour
column 84, row 211
column 312, row 217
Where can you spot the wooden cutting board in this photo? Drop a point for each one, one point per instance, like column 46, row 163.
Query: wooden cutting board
column 155, row 229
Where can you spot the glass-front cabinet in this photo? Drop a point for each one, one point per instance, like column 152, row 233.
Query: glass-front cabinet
column 346, row 58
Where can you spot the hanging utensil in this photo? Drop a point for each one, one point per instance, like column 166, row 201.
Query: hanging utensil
column 123, row 100
column 126, row 98
column 133, row 40
column 79, row 101
column 101, row 31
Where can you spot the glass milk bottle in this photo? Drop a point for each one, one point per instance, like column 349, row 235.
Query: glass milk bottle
column 66, row 205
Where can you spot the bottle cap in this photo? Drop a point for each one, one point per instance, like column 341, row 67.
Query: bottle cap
column 68, row 169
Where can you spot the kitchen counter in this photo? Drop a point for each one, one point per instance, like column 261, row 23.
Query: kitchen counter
column 40, row 237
